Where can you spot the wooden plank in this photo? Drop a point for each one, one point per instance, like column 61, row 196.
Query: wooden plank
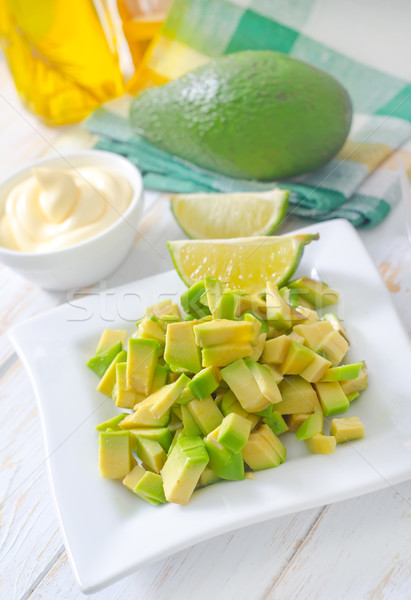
column 359, row 549
column 29, row 537
column 239, row 565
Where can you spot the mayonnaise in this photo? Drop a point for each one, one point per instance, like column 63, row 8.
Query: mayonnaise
column 56, row 208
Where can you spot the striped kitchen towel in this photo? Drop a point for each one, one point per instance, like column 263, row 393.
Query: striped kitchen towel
column 363, row 44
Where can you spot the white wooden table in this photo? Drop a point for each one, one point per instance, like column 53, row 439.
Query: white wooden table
column 358, row 549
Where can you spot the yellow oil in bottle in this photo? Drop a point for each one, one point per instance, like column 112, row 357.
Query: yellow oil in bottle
column 62, row 61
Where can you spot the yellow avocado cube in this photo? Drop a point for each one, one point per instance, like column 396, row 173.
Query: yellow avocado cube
column 297, row 359
column 316, row 369
column 224, row 354
column 294, row 421
column 347, row 429
column 114, row 454
column 142, row 358
column 358, row 384
column 333, row 347
column 314, row 333
column 123, row 395
column 241, row 381
column 298, row 396
column 321, row 444
column 109, row 337
column 223, row 332
column 181, row 352
column 259, row 347
column 275, row 350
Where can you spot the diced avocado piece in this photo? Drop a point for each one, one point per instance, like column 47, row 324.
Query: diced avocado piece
column 165, row 307
column 143, row 417
column 176, row 410
column 310, row 314
column 123, row 395
column 353, row 396
column 280, row 315
column 348, row 429
column 265, row 381
column 151, row 454
column 101, row 362
column 162, row 435
column 204, row 383
column 276, row 374
column 111, row 423
column 225, row 464
column 311, row 426
column 259, row 347
column 114, row 454
column 183, row 468
column 253, row 303
column 295, row 420
column 297, row 359
column 148, row 486
column 360, row 383
column 242, row 383
column 332, row 398
column 298, row 396
column 275, row 421
column 175, row 420
column 275, row 350
column 233, row 432
column 321, row 444
column 343, row 372
column 316, row 369
column 181, row 351
column 295, row 337
column 107, row 382
column 251, row 313
column 230, row 404
column 214, row 291
column 333, row 347
column 191, row 301
column 224, row 354
column 206, row 414
column 150, row 328
column 163, row 399
column 263, row 450
column 256, row 323
column 314, row 333
column 172, row 376
column 111, row 337
column 142, row 359
column 189, row 424
column 177, row 434
column 160, row 377
column 289, row 296
column 185, row 397
column 316, row 293
column 207, row 477
column 223, row 332
column 225, row 309
column 164, row 320
column 336, row 324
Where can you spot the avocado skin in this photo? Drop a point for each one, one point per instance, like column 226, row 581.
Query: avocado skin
column 253, row 114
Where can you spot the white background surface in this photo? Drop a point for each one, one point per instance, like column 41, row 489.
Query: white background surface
column 357, row 549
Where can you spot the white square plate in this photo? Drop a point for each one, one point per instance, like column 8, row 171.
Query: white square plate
column 109, row 532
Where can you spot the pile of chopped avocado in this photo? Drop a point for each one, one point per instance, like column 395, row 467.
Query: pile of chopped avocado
column 207, row 395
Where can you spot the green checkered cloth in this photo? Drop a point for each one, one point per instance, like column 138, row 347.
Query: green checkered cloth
column 360, row 183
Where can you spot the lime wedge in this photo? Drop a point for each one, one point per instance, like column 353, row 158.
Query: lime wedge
column 240, row 263
column 221, row 216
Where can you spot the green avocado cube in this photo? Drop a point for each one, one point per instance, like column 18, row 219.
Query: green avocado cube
column 111, row 423
column 189, row 424
column 183, row 468
column 311, row 426
column 206, row 414
column 223, row 331
column 178, row 433
column 358, row 384
column 233, row 432
column 207, row 477
column 265, row 380
column 185, row 397
column 224, row 354
column 275, row 421
column 108, row 381
column 342, row 373
column 159, row 378
column 204, row 383
column 151, row 453
column 214, row 291
column 146, row 485
column 316, row 293
column 225, row 464
column 162, row 435
column 191, row 301
column 353, row 396
column 226, row 307
column 297, row 359
column 332, row 398
column 114, row 454
column 181, row 351
column 142, row 359
column 241, row 381
column 230, row 404
column 101, row 361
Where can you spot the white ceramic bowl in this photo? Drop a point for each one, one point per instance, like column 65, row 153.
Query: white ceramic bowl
column 89, row 261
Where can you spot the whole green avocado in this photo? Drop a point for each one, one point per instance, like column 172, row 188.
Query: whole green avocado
column 253, row 114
